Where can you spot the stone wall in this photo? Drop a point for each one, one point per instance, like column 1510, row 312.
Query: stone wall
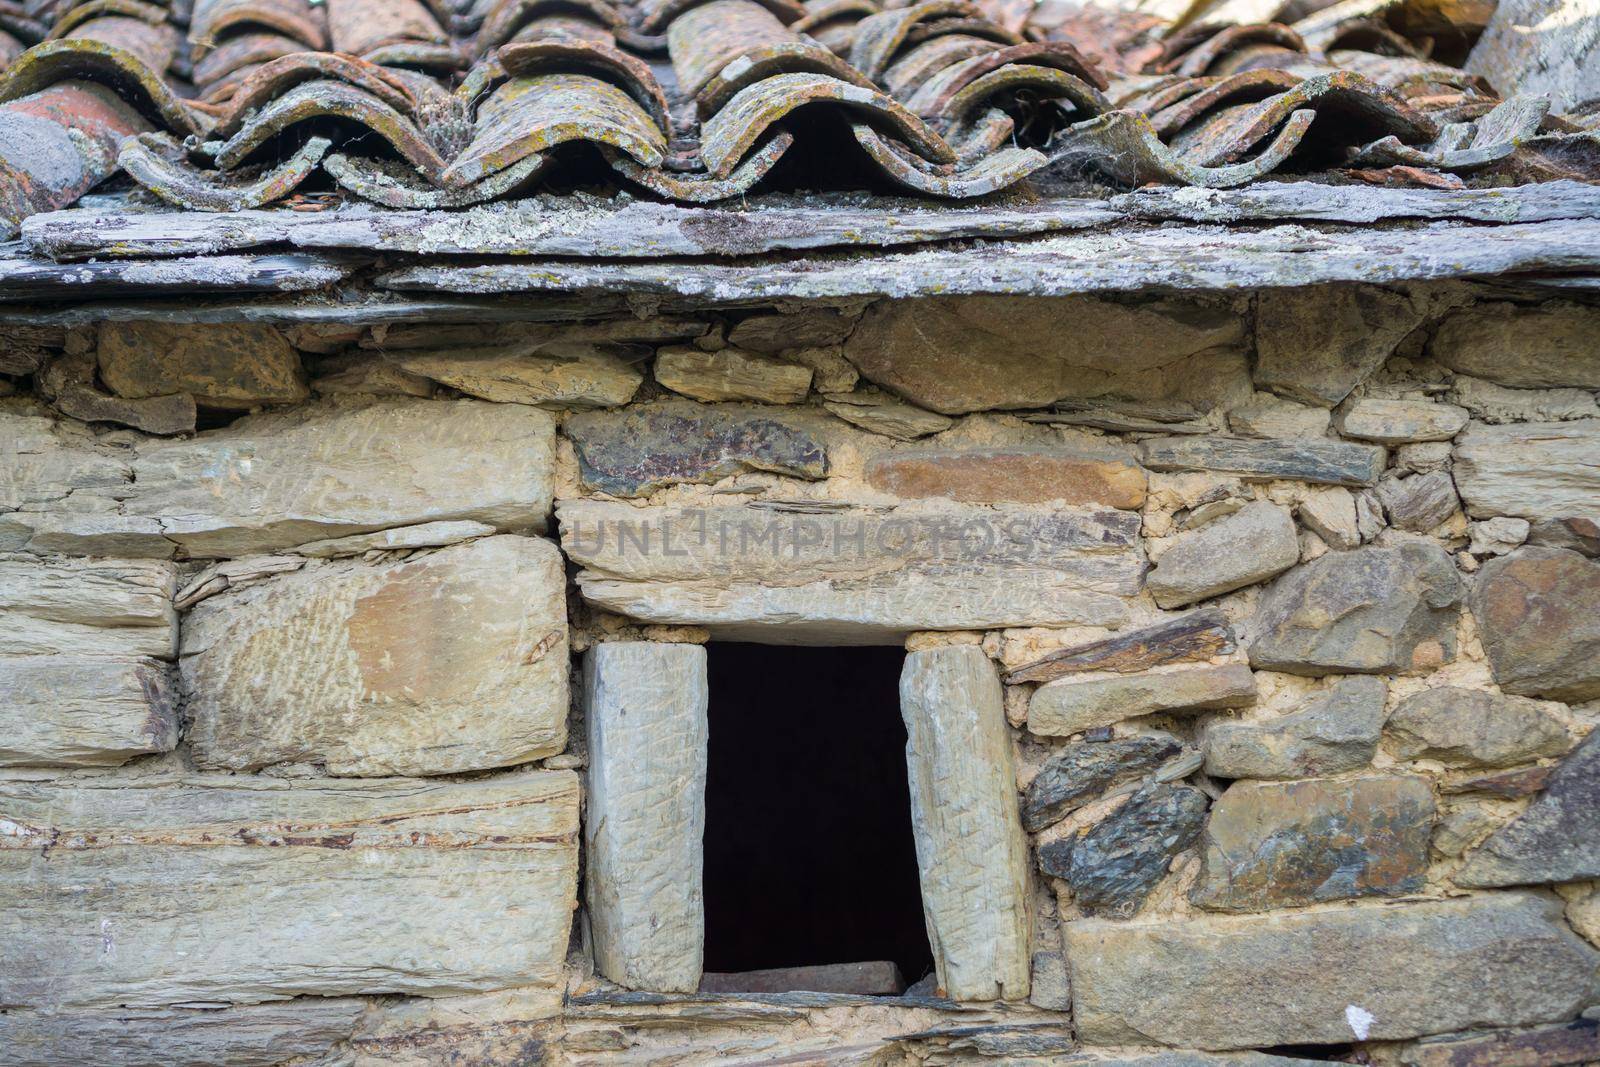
column 1253, row 658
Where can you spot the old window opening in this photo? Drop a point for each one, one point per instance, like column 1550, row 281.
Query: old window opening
column 809, row 855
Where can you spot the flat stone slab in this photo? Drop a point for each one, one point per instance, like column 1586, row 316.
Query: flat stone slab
column 1198, row 635
column 1011, row 476
column 879, row 978
column 854, row 574
column 1530, row 470
column 1380, row 972
column 1253, row 544
column 84, row 711
column 1462, row 727
column 1318, row 462
column 149, row 892
column 1285, row 844
column 443, row 663
column 279, row 479
column 97, row 607
column 1071, row 706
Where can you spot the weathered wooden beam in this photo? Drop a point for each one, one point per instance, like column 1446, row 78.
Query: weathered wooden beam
column 1166, row 258
column 557, row 226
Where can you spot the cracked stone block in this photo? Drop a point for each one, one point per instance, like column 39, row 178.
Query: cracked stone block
column 1337, row 730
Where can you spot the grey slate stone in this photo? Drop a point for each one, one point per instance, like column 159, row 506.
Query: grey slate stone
column 1317, row 343
column 1556, row 840
column 1081, row 772
column 1373, row 610
column 1406, row 970
column 1398, row 422
column 1538, row 612
column 1325, row 462
column 1337, row 730
column 1418, row 503
column 1249, row 546
column 640, row 450
column 1462, row 727
column 1535, row 471
column 1114, row 865
column 1070, row 705
column 1283, row 844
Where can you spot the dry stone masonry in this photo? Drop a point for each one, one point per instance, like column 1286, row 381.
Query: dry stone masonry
column 354, row 676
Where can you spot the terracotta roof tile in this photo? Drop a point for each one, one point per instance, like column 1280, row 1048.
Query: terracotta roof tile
column 411, row 103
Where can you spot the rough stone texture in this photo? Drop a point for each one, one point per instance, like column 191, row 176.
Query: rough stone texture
column 731, row 374
column 1316, row 344
column 1284, row 844
column 1573, row 534
column 1197, row 635
column 635, row 452
column 449, row 662
column 1113, row 865
column 805, row 328
column 1493, row 403
column 1535, row 471
column 956, row 355
column 275, row 480
column 254, row 1035
column 1499, row 535
column 1406, row 969
column 1368, row 611
column 1331, row 515
column 1270, row 416
column 1538, row 613
column 1472, row 728
column 1325, row 462
column 878, row 412
column 1016, row 476
column 148, row 892
column 1251, row 545
column 877, row 978
column 423, row 535
column 233, row 365
column 830, row 371
column 561, row 375
column 971, row 851
column 1398, row 422
column 1336, row 731
column 1425, row 457
column 645, row 708
column 80, row 711
column 69, row 382
column 854, row 575
column 1556, row 840
column 1553, row 1046
column 1070, row 706
column 366, row 373
column 1552, row 344
column 100, row 607
column 1420, row 502
column 1079, row 773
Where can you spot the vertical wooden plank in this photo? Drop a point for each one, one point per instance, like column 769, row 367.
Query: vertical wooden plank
column 970, row 847
column 646, row 718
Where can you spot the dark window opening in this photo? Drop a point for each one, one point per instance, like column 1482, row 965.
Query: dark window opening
column 809, row 857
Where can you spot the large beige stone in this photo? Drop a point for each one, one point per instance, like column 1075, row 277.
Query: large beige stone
column 1071, row 706
column 47, row 461
column 1531, row 470
column 731, row 374
column 204, row 889
column 645, row 712
column 78, row 711
column 1317, row 344
column 1251, row 545
column 1328, row 976
column 549, row 375
column 230, row 365
column 852, row 574
column 1012, row 475
column 276, row 480
column 448, row 662
column 961, row 354
column 971, row 851
column 99, row 607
